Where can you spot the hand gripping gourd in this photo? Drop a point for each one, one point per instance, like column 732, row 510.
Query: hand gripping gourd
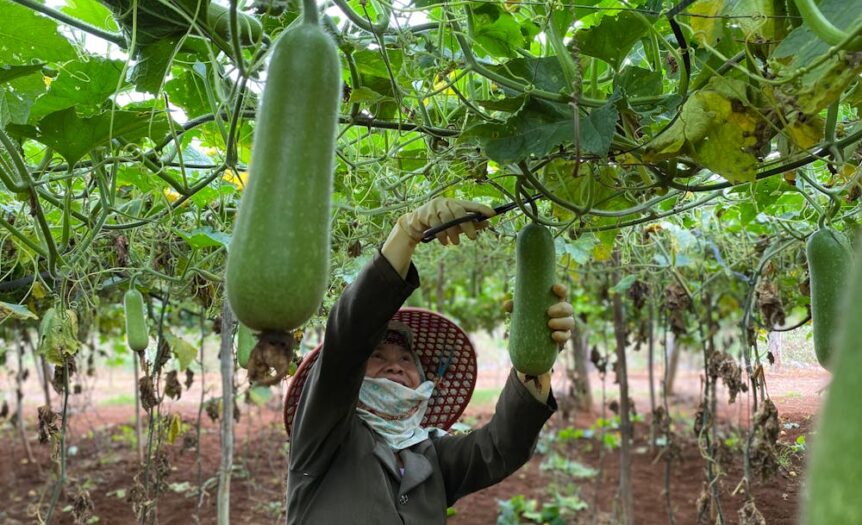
column 531, row 348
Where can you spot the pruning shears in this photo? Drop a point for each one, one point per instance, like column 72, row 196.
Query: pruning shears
column 431, row 233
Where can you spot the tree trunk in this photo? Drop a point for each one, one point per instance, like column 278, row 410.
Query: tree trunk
column 226, row 359
column 673, row 365
column 19, row 405
column 579, row 377
column 625, row 490
column 650, row 367
column 774, row 346
column 138, row 430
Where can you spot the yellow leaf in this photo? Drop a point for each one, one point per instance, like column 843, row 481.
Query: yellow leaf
column 705, row 22
column 175, row 428
column 805, row 135
column 602, row 252
column 38, row 291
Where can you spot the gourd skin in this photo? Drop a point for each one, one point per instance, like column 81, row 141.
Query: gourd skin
column 278, row 262
column 136, row 321
column 828, row 270
column 531, row 347
column 245, row 342
column 218, row 18
column 835, row 470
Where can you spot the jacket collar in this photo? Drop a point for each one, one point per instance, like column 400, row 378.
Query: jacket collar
column 417, row 467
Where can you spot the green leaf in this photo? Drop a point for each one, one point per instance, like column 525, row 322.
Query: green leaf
column 58, row 335
column 371, row 62
column 153, row 63
column 9, row 73
column 259, row 395
column 598, row 129
column 188, row 91
column 17, row 97
column 27, row 36
column 543, row 72
column 15, row 311
column 612, row 39
column 184, row 351
column 802, row 46
column 366, row 95
column 509, row 104
column 624, row 284
column 539, row 128
column 639, row 82
column 495, row 32
column 73, row 137
column 83, row 84
column 92, row 12
column 580, row 250
column 204, row 237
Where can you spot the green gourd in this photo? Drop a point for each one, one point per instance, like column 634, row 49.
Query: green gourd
column 828, row 269
column 245, row 342
column 137, row 336
column 278, row 261
column 834, row 478
column 218, row 18
column 531, row 348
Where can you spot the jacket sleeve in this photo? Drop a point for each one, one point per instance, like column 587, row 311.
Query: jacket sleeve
column 355, row 326
column 491, row 453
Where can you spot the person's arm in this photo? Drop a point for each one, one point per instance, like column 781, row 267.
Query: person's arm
column 493, row 452
column 356, row 325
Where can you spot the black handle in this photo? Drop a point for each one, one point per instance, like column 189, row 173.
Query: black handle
column 431, row 233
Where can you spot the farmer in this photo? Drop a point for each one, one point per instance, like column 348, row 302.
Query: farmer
column 361, row 410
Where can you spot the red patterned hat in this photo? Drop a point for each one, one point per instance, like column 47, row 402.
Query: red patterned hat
column 447, row 356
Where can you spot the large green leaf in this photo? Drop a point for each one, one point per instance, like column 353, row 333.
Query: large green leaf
column 92, row 12
column 9, row 73
column 153, row 62
column 26, row 36
column 802, row 46
column 73, row 137
column 188, row 91
column 613, row 38
column 639, row 82
column 82, row 84
column 539, row 128
column 17, row 97
column 542, row 72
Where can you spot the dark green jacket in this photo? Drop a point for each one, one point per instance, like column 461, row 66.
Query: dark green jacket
column 341, row 472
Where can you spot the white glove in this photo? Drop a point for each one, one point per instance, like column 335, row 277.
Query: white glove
column 441, row 210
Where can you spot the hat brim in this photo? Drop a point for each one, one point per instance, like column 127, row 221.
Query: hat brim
column 436, row 340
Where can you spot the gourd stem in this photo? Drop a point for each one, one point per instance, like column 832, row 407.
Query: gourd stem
column 309, row 12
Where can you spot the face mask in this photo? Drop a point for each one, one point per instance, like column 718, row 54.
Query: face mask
column 395, row 411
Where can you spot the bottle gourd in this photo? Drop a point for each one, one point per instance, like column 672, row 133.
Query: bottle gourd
column 531, row 348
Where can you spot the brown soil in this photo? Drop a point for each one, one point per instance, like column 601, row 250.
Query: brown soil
column 105, row 463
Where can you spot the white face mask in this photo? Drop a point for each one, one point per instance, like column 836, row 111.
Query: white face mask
column 395, row 411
